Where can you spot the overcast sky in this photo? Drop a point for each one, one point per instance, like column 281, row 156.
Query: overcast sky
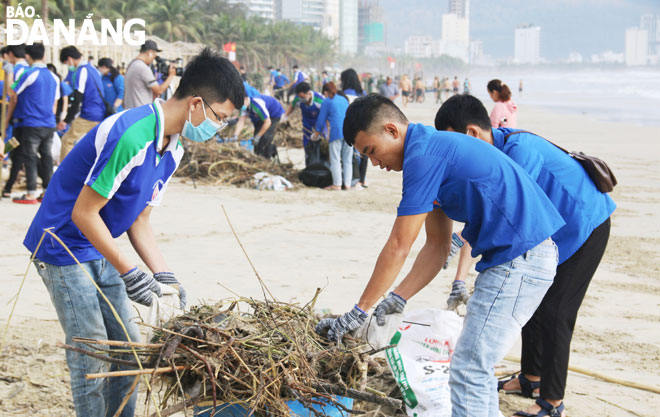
column 584, row 26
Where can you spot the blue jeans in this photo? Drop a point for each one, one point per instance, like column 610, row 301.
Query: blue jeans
column 504, row 299
column 341, row 162
column 83, row 313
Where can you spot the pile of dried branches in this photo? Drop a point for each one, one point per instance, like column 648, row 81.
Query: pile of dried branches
column 260, row 358
column 228, row 164
column 289, row 132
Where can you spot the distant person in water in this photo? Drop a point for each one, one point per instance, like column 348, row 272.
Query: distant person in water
column 505, row 112
column 520, row 87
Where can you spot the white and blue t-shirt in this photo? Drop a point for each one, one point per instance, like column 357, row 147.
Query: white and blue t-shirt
column 298, row 77
column 263, row 107
column 119, row 159
column 37, row 90
column 582, row 206
column 19, row 69
column 505, row 212
column 87, row 80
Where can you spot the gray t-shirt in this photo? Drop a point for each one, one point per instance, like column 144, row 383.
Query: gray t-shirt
column 137, row 84
column 388, row 90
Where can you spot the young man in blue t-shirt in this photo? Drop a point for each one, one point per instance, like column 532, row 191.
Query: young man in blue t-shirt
column 508, row 221
column 32, row 106
column 309, row 102
column 265, row 113
column 87, row 99
column 582, row 241
column 107, row 186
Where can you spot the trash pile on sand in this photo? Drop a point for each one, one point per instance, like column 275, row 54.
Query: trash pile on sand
column 229, row 164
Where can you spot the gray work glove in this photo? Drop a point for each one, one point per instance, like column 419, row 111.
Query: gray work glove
column 393, row 303
column 169, row 279
column 456, row 245
column 140, row 286
column 459, row 295
column 335, row 329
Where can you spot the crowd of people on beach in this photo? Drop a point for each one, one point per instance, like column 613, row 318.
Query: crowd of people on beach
column 532, row 214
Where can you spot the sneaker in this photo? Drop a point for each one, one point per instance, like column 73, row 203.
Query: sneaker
column 6, row 194
column 24, row 200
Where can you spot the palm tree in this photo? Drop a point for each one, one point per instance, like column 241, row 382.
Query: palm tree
column 175, row 19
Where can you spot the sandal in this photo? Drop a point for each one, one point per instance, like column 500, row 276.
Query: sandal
column 24, row 200
column 527, row 387
column 6, row 194
column 547, row 409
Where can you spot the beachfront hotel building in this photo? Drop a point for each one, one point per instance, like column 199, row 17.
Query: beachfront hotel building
column 527, row 44
column 261, row 8
column 637, row 46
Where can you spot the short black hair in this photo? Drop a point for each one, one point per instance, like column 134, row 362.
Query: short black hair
column 36, row 51
column 4, row 50
column 303, row 87
column 212, row 77
column 295, row 67
column 460, row 111
column 69, row 52
column 105, row 62
column 364, row 111
column 17, row 50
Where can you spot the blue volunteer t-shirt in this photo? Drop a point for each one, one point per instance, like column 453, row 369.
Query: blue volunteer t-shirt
column 281, row 80
column 249, row 90
column 333, row 110
column 504, row 210
column 263, row 107
column 87, row 80
column 37, row 90
column 120, row 160
column 564, row 181
column 310, row 112
column 113, row 89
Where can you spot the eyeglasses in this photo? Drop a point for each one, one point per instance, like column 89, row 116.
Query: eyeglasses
column 220, row 120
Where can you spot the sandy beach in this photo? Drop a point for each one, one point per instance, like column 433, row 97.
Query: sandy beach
column 309, row 238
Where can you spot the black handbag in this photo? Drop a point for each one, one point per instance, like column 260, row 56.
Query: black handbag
column 597, row 169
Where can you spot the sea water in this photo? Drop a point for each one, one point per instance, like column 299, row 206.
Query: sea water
column 626, row 95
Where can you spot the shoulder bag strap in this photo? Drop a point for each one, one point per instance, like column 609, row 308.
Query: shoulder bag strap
column 531, row 133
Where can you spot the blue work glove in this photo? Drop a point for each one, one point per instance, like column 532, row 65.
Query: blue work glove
column 140, row 286
column 456, row 245
column 335, row 329
column 393, row 303
column 168, row 278
column 459, row 295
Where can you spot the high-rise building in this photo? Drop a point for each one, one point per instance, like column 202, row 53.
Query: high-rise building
column 306, row 12
column 637, row 46
column 651, row 23
column 461, row 8
column 348, row 26
column 421, row 47
column 331, row 19
column 476, row 51
column 261, row 8
column 371, row 29
column 527, row 44
column 455, row 36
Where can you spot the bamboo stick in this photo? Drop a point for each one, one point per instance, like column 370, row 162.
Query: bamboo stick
column 134, row 372
column 119, row 343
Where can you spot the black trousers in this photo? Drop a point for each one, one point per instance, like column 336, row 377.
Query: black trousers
column 265, row 146
column 546, row 338
column 364, row 163
column 34, row 153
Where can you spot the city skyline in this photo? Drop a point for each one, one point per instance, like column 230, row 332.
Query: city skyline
column 587, row 27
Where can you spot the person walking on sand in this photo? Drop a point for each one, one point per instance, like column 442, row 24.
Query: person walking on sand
column 455, row 85
column 352, row 88
column 505, row 111
column 546, row 338
column 108, row 186
column 388, row 89
column 406, row 90
column 508, row 221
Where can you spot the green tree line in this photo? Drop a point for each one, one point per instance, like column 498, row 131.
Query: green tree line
column 259, row 43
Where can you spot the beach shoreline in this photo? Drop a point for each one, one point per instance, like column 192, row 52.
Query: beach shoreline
column 310, row 238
